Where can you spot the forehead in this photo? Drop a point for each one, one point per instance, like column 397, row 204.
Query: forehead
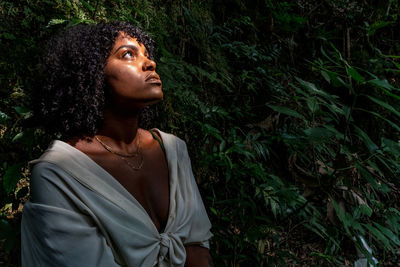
column 123, row 39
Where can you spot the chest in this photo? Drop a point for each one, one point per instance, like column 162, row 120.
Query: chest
column 149, row 185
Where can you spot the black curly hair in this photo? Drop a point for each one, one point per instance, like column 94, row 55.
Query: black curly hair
column 70, row 95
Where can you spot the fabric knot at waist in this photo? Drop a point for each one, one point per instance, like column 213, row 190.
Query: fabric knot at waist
column 171, row 245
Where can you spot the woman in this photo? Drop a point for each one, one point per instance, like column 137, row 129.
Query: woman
column 111, row 193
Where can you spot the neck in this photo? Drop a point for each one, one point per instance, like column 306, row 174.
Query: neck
column 120, row 128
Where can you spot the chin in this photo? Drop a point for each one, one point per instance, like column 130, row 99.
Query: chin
column 150, row 101
column 156, row 96
column 153, row 101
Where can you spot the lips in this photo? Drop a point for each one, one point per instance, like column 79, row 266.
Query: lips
column 153, row 78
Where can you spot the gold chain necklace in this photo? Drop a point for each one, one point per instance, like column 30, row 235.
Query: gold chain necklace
column 125, row 157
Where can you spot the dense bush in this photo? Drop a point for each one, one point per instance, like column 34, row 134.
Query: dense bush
column 290, row 110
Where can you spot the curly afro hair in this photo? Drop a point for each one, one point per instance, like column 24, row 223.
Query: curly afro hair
column 71, row 93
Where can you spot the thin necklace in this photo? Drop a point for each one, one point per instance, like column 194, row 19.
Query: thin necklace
column 109, row 149
column 125, row 157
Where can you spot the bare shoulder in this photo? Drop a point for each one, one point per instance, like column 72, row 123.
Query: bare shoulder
column 152, row 142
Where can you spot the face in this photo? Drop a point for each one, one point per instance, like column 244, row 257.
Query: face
column 131, row 75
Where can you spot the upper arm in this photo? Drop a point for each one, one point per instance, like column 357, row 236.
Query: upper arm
column 47, row 186
column 197, row 256
column 53, row 231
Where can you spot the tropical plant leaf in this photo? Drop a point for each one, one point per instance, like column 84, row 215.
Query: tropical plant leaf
column 392, row 237
column 378, row 235
column 383, row 83
column 286, row 111
column 11, row 177
column 391, row 123
column 312, row 104
column 354, row 74
column 372, row 147
column 385, row 105
column 319, row 133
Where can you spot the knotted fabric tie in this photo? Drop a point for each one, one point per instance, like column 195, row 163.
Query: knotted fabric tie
column 172, row 245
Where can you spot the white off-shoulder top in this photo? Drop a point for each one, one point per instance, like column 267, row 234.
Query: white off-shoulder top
column 79, row 215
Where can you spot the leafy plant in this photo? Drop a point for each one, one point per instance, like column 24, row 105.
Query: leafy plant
column 290, row 110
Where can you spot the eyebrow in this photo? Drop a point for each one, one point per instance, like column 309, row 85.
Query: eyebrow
column 133, row 47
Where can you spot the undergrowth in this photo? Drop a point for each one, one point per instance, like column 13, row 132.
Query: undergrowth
column 290, row 110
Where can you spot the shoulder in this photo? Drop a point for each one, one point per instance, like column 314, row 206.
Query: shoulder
column 57, row 152
column 170, row 138
column 44, row 173
column 173, row 143
column 47, row 185
column 50, row 171
column 42, row 169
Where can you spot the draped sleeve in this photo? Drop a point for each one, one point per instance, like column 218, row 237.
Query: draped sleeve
column 54, row 232
column 199, row 225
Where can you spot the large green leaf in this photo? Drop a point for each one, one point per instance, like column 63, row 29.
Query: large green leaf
column 391, row 123
column 391, row 146
column 340, row 213
column 339, row 135
column 385, row 105
column 379, row 236
column 364, row 209
column 11, row 177
column 372, row 147
column 382, row 83
column 286, row 111
column 312, row 104
column 319, row 133
column 392, row 237
column 312, row 88
column 354, row 74
column 23, row 111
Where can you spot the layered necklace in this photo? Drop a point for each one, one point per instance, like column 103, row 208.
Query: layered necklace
column 136, row 155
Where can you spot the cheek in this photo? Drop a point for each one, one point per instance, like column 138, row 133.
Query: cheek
column 126, row 74
column 124, row 81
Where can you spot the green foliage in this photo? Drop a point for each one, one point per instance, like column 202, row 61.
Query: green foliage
column 290, row 110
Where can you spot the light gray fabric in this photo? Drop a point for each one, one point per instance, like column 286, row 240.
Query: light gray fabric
column 79, row 215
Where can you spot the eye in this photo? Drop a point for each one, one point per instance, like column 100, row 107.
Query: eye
column 128, row 55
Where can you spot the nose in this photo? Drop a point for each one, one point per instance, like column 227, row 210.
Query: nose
column 149, row 65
